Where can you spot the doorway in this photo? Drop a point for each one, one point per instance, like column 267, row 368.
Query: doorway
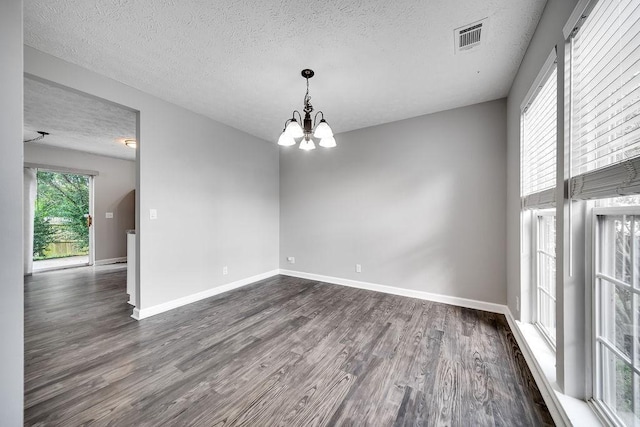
column 63, row 220
column 75, row 139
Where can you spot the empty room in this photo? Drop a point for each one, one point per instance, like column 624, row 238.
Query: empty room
column 363, row 213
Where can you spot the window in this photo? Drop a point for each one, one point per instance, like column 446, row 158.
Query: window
column 538, row 184
column 604, row 163
column 617, row 313
column 605, row 98
column 539, row 131
column 545, row 274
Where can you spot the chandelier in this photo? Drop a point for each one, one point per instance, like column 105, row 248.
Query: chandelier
column 40, row 137
column 292, row 129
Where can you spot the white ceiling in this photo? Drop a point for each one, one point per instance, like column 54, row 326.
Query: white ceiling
column 239, row 62
column 77, row 121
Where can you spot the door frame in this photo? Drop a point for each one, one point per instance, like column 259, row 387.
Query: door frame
column 91, row 174
column 92, row 228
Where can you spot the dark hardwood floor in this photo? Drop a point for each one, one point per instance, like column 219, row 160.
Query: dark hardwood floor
column 284, row 351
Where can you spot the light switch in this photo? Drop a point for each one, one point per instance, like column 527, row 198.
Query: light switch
column 153, row 214
column 108, row 215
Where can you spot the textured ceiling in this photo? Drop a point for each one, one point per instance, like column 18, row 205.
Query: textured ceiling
column 239, row 62
column 77, row 121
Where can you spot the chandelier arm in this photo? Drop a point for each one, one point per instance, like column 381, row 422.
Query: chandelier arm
column 316, row 116
column 299, row 115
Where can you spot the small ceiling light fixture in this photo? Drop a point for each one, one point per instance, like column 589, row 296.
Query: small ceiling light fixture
column 131, row 143
column 39, row 137
column 293, row 130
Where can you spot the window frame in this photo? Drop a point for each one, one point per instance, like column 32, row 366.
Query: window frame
column 531, row 204
column 597, row 214
column 535, row 275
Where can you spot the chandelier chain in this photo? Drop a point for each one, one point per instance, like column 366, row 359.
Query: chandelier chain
column 308, row 108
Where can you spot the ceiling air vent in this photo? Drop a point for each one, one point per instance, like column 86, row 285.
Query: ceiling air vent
column 470, row 36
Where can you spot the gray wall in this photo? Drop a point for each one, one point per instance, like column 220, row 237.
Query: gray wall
column 419, row 203
column 11, row 295
column 114, row 192
column 215, row 189
column 571, row 347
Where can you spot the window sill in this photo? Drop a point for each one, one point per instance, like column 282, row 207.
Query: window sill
column 551, row 344
column 568, row 409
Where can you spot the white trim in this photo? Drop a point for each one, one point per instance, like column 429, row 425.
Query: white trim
column 591, row 240
column 604, row 414
column 60, row 169
column 143, row 313
column 92, row 227
column 540, row 80
column 535, row 265
column 446, row 299
column 616, row 210
column 545, row 336
column 576, row 16
column 63, row 267
column 548, row 393
column 108, row 261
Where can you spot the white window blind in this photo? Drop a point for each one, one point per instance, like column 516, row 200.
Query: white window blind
column 605, row 96
column 539, row 128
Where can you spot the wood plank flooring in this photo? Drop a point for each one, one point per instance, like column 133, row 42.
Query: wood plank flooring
column 284, row 351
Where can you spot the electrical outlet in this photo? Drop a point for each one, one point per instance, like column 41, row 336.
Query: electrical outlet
column 517, row 303
column 358, row 268
column 225, row 270
column 291, row 259
column 108, row 215
column 153, row 214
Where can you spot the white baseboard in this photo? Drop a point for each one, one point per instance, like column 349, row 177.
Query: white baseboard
column 446, row 299
column 108, row 261
column 143, row 313
column 556, row 409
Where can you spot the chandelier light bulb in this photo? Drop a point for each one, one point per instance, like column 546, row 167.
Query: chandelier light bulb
column 328, row 142
column 323, row 130
column 307, row 144
column 286, row 140
column 294, row 130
